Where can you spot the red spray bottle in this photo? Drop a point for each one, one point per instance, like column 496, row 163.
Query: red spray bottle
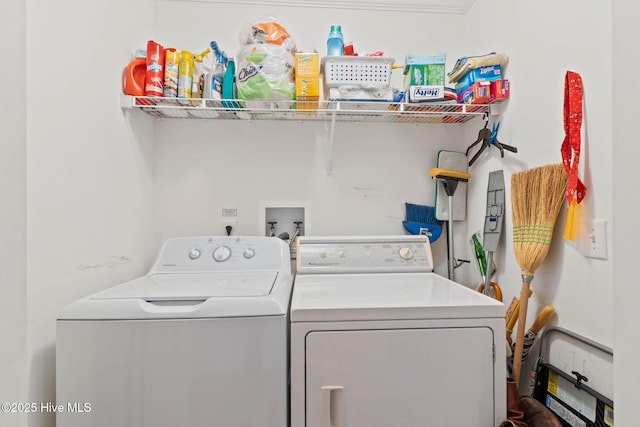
column 154, row 80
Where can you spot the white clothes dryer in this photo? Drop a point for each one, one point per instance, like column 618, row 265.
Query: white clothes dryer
column 379, row 340
column 202, row 340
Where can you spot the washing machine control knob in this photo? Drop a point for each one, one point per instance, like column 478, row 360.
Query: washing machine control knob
column 405, row 253
column 249, row 253
column 194, row 253
column 221, row 253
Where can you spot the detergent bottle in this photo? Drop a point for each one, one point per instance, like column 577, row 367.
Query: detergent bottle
column 133, row 76
column 229, row 94
column 228, row 82
column 335, row 42
column 214, row 80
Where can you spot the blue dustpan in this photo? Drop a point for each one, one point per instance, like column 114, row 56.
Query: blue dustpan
column 421, row 220
column 432, row 231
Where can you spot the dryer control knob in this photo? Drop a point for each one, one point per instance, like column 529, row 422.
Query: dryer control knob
column 221, row 253
column 405, row 253
column 194, row 253
column 249, row 253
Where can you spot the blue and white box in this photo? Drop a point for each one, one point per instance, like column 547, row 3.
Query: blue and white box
column 490, row 73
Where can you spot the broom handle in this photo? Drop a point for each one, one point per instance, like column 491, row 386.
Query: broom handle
column 522, row 319
column 451, row 261
column 512, row 317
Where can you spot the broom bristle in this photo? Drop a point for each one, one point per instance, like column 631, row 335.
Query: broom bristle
column 536, row 197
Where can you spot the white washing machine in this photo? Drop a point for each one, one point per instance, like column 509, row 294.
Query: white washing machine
column 379, row 340
column 202, row 340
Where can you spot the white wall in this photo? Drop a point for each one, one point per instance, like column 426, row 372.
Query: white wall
column 13, row 297
column 626, row 203
column 89, row 172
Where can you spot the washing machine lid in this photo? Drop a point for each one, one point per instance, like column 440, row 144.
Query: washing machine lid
column 189, row 286
column 189, row 295
column 403, row 296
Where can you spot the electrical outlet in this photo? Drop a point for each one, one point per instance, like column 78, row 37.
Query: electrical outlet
column 229, row 222
column 229, row 219
column 596, row 239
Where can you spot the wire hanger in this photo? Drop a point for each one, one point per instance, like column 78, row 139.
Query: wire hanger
column 488, row 138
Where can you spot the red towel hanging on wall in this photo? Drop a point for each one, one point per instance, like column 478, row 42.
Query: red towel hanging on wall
column 570, row 149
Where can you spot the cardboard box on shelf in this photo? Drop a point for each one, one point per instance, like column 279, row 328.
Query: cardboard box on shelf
column 425, row 93
column 431, row 69
column 478, row 93
column 424, row 77
column 307, row 77
column 491, row 73
column 500, row 90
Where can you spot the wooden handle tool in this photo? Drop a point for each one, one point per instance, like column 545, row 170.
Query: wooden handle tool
column 512, row 315
column 509, row 316
column 530, row 337
column 543, row 317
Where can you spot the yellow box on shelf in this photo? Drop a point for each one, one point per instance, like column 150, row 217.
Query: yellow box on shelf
column 307, row 75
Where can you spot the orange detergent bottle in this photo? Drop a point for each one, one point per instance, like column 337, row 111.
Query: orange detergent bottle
column 133, row 77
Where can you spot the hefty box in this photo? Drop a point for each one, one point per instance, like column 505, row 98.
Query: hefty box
column 491, row 73
column 478, row 93
column 424, row 77
column 425, row 93
column 307, row 76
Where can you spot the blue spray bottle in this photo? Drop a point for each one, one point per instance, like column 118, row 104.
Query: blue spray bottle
column 214, row 80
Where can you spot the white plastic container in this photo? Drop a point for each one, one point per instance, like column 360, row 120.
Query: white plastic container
column 357, row 71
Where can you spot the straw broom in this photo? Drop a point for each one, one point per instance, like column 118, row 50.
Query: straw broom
column 536, row 197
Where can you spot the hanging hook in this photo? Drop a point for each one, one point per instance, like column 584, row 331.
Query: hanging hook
column 579, row 379
column 493, row 140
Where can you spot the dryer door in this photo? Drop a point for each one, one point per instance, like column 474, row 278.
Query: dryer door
column 401, row 378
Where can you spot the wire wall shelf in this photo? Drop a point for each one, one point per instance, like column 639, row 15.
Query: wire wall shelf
column 341, row 111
